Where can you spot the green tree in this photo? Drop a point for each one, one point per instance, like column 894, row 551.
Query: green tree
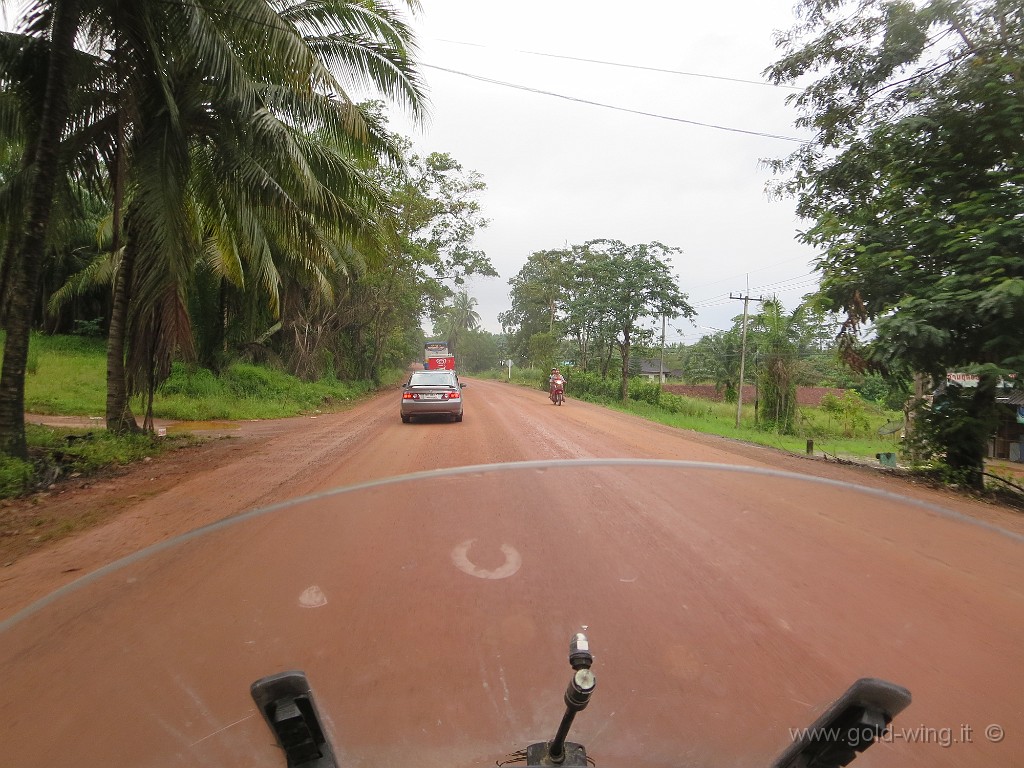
column 542, row 351
column 245, row 167
column 375, row 317
column 587, row 321
column 889, row 393
column 776, row 338
column 537, row 294
column 480, row 351
column 273, row 190
column 626, row 285
column 957, row 427
column 437, row 216
column 913, row 184
column 850, row 410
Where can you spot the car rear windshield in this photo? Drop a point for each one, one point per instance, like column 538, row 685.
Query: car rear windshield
column 432, row 380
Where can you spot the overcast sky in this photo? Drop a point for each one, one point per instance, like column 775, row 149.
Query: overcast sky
column 559, row 171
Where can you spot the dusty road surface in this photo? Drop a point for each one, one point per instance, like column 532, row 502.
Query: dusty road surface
column 725, row 607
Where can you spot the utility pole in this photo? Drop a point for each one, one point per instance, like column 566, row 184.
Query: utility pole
column 743, row 353
column 662, row 349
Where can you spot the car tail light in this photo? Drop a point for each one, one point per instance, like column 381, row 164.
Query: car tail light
column 410, row 396
column 454, row 395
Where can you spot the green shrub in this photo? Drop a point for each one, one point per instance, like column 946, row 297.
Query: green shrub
column 91, row 328
column 590, row 386
column 684, row 406
column 246, row 391
column 15, row 476
column 192, row 382
column 645, row 391
column 55, row 451
column 850, row 410
column 80, row 450
column 252, row 381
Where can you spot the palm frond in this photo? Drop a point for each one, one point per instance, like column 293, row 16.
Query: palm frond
column 366, row 43
column 99, row 273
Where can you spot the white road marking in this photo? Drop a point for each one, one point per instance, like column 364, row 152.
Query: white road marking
column 312, row 597
column 513, row 561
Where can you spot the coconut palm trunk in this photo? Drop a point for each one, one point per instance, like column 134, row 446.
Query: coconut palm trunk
column 120, row 418
column 26, row 272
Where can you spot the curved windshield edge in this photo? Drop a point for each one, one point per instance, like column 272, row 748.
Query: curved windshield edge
column 474, row 469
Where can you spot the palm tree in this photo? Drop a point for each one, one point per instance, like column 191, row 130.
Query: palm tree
column 716, row 358
column 25, row 271
column 196, row 97
column 292, row 197
column 458, row 319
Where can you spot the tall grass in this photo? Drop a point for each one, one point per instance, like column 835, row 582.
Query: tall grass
column 68, row 376
column 245, row 391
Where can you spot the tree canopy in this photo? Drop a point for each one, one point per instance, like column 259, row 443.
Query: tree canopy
column 913, row 183
column 242, row 202
column 603, row 295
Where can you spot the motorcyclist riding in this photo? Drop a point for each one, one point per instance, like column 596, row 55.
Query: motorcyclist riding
column 556, row 385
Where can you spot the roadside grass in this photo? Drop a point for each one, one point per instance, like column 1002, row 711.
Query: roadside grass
column 85, row 450
column 717, row 418
column 246, row 391
column 720, row 419
column 56, row 452
column 66, row 375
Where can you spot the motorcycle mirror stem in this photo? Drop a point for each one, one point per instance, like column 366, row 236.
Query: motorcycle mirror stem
column 577, row 695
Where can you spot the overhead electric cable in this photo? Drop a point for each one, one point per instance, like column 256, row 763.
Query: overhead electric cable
column 632, row 66
column 541, row 92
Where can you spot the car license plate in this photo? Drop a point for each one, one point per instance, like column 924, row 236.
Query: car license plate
column 430, row 397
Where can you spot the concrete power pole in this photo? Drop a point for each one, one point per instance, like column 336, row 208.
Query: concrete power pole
column 743, row 353
column 662, row 376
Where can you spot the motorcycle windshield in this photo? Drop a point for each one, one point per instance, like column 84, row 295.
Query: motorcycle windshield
column 432, row 614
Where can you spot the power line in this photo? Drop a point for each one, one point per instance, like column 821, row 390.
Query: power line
column 632, row 66
column 789, row 284
column 642, row 113
column 752, row 271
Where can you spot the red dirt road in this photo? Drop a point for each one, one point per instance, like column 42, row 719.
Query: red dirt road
column 724, row 608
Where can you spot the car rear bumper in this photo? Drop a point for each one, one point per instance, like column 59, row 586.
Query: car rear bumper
column 431, row 407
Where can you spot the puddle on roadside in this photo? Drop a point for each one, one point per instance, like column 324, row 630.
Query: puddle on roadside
column 199, row 426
